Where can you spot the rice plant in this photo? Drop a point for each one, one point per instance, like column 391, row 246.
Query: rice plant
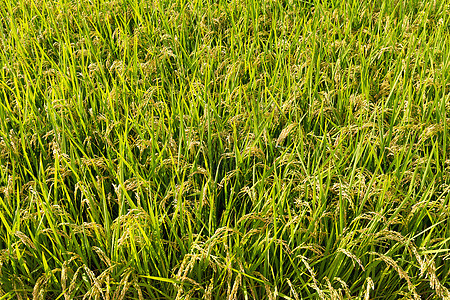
column 239, row 149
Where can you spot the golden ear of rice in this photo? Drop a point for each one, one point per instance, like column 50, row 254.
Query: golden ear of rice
column 285, row 133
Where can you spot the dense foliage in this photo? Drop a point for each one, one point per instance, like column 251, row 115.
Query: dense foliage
column 242, row 149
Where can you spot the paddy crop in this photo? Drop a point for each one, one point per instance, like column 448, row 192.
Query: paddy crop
column 242, row 149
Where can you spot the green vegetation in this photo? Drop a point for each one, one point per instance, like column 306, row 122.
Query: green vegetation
column 242, row 149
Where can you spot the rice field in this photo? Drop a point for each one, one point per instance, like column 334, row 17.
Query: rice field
column 226, row 149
